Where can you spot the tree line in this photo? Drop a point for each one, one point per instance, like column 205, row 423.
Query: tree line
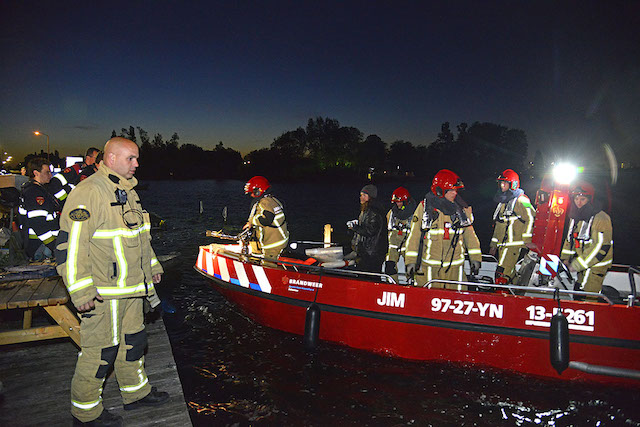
column 324, row 148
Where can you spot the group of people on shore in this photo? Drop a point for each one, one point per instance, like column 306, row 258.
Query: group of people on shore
column 436, row 235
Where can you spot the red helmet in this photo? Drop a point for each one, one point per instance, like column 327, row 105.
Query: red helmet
column 583, row 188
column 445, row 180
column 256, row 186
column 400, row 194
column 511, row 177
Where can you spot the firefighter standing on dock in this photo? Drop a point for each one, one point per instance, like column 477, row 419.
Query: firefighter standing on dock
column 398, row 225
column 441, row 232
column 267, row 216
column 588, row 247
column 105, row 257
column 513, row 225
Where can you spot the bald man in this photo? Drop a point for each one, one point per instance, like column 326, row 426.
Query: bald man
column 105, row 258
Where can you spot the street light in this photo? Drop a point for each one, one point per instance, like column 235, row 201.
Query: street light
column 38, row 133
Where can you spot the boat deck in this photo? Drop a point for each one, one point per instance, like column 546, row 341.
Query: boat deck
column 36, row 383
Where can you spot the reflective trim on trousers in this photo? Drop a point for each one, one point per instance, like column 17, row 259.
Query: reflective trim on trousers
column 114, row 322
column 141, row 376
column 86, row 405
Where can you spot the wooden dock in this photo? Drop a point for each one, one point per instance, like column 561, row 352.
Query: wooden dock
column 36, row 379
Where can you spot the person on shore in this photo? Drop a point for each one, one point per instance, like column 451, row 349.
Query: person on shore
column 267, row 217
column 369, row 235
column 38, row 212
column 87, row 172
column 588, row 247
column 441, row 232
column 106, row 261
column 513, row 225
column 398, row 225
column 66, row 180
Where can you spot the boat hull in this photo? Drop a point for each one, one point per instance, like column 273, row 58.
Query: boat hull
column 487, row 329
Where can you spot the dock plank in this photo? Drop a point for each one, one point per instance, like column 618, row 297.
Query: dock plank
column 37, row 384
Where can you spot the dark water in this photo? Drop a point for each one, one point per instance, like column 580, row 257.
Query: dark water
column 237, row 372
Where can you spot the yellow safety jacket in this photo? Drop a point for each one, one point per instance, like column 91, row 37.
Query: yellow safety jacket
column 273, row 235
column 513, row 223
column 437, row 238
column 398, row 232
column 104, row 244
column 589, row 244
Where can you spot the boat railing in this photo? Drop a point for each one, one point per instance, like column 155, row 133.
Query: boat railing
column 313, row 269
column 545, row 290
column 320, row 270
column 632, row 283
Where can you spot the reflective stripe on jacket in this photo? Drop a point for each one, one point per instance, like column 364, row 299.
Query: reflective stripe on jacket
column 104, row 246
column 513, row 227
column 274, row 234
column 436, row 241
column 398, row 232
column 594, row 251
column 38, row 217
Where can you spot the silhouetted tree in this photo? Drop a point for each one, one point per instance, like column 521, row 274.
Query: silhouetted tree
column 371, row 153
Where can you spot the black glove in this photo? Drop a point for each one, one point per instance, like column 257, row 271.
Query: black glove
column 390, row 267
column 474, row 267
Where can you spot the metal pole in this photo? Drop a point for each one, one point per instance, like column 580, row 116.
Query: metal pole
column 48, row 149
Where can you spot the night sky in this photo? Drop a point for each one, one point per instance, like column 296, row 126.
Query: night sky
column 567, row 73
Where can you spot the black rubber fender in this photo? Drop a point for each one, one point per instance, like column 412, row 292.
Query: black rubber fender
column 559, row 342
column 312, row 327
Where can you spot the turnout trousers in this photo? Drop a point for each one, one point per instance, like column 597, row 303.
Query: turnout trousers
column 590, row 280
column 111, row 335
column 455, row 272
column 397, row 248
column 507, row 258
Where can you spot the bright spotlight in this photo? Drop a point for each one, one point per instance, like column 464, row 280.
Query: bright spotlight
column 564, row 173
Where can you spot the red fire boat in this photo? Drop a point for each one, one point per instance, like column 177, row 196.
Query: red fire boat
column 537, row 327
column 366, row 311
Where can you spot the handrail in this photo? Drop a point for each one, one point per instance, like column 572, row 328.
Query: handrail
column 316, row 269
column 632, row 283
column 545, row 290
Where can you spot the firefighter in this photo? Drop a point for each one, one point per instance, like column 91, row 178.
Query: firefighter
column 398, row 224
column 513, row 225
column 105, row 258
column 38, row 212
column 267, row 217
column 66, row 180
column 441, row 232
column 588, row 247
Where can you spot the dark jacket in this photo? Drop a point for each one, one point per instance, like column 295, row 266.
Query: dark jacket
column 370, row 238
column 38, row 217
